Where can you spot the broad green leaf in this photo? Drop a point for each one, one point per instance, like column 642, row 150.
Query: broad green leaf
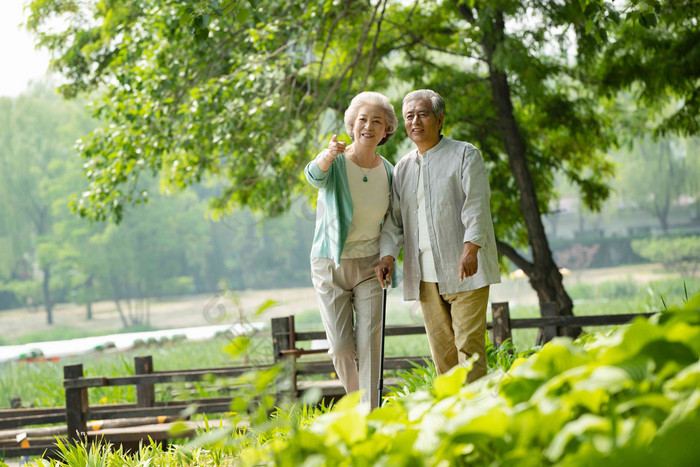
column 557, row 356
column 686, row 379
column 634, row 338
column 608, row 378
column 657, row 401
column 493, row 422
column 348, row 403
column 450, row 383
column 388, row 413
column 585, row 424
column 664, row 351
column 350, row 427
column 687, row 407
column 179, row 428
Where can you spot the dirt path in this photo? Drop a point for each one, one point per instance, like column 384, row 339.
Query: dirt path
column 200, row 310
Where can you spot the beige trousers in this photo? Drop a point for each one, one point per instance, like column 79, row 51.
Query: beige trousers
column 352, row 287
column 456, row 327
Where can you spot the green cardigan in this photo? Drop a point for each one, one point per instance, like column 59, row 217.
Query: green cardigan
column 334, row 211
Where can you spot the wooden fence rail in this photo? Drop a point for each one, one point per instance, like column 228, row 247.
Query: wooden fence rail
column 285, row 336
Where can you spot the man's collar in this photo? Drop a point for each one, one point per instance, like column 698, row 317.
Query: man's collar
column 437, row 147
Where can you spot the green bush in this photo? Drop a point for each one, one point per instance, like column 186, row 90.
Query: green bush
column 604, row 291
column 680, row 254
column 621, row 394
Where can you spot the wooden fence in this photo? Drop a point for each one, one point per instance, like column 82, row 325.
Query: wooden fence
column 127, row 424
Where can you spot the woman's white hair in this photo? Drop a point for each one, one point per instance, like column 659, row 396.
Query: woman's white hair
column 371, row 98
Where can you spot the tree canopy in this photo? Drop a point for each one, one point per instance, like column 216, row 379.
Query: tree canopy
column 240, row 90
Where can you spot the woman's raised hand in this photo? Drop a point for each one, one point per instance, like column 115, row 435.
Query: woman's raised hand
column 327, row 156
column 335, row 147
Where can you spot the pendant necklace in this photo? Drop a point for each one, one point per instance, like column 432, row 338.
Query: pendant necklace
column 364, row 174
column 364, row 178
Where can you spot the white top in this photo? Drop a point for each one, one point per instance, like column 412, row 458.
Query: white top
column 370, row 202
column 457, row 209
column 425, row 252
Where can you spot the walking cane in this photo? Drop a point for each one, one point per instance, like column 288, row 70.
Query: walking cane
column 380, row 383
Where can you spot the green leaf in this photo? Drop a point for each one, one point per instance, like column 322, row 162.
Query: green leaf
column 179, row 429
column 450, row 383
column 687, row 408
column 350, row 427
column 348, row 403
column 656, row 401
column 216, row 438
column 585, row 424
column 388, row 413
column 238, row 346
column 687, row 379
column 242, row 15
column 266, row 305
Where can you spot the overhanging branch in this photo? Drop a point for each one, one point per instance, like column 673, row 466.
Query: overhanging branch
column 513, row 255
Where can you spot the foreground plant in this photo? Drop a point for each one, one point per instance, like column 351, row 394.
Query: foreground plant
column 630, row 393
column 630, row 396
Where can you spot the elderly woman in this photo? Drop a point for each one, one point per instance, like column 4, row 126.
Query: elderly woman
column 354, row 185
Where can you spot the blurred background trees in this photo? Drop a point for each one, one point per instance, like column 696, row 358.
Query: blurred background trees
column 167, row 247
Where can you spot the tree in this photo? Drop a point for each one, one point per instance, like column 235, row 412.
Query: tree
column 652, row 51
column 240, row 91
column 692, row 165
column 37, row 139
column 157, row 251
column 653, row 175
column 14, row 225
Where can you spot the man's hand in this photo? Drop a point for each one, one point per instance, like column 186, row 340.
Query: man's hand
column 468, row 263
column 384, row 270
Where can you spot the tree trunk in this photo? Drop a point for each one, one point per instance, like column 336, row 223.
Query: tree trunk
column 47, row 295
column 88, row 295
column 543, row 273
column 121, row 313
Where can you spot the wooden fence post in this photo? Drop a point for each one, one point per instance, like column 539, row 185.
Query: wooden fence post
column 280, row 336
column 501, row 323
column 282, row 339
column 145, row 392
column 76, row 404
column 547, row 333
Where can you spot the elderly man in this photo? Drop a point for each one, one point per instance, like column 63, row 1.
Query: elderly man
column 440, row 214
